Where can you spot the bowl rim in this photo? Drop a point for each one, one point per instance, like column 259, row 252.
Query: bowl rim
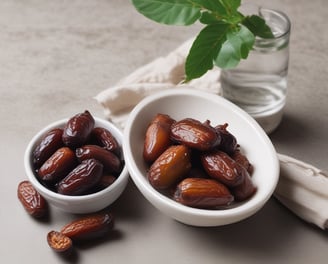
column 246, row 208
column 67, row 198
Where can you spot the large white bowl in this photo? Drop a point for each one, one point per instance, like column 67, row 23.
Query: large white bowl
column 82, row 203
column 182, row 103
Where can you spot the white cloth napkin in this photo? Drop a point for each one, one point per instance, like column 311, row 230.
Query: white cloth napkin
column 162, row 73
column 301, row 188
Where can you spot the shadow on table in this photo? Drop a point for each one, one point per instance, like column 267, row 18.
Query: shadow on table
column 132, row 206
column 291, row 131
column 268, row 234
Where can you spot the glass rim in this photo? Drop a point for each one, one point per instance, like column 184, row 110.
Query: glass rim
column 282, row 15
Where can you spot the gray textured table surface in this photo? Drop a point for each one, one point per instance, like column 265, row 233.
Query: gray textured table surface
column 56, row 55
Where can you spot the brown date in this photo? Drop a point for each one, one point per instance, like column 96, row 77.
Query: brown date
column 203, row 193
column 228, row 142
column 78, row 129
column 194, row 134
column 89, row 227
column 105, row 139
column 157, row 138
column 31, row 200
column 59, row 242
column 110, row 161
column 223, row 168
column 244, row 190
column 172, row 165
column 49, row 143
column 58, row 165
column 106, row 180
column 85, row 176
column 242, row 160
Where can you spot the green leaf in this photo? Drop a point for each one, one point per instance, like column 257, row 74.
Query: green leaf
column 258, row 26
column 208, row 18
column 246, row 39
column 204, row 49
column 170, row 12
column 214, row 6
column 236, row 47
column 212, row 17
column 231, row 6
column 214, row 11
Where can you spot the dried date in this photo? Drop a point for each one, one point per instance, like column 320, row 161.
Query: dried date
column 110, row 161
column 105, row 139
column 228, row 142
column 58, row 165
column 223, row 168
column 89, row 227
column 31, row 200
column 244, row 190
column 157, row 138
column 172, row 165
column 78, row 129
column 49, row 143
column 85, row 176
column 194, row 134
column 106, row 180
column 203, row 193
column 242, row 160
column 59, row 242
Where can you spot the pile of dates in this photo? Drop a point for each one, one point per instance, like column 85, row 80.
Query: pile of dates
column 78, row 159
column 196, row 164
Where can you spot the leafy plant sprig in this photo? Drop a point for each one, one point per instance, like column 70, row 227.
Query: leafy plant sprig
column 228, row 35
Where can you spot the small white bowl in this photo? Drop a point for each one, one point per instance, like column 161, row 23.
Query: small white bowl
column 83, row 203
column 182, row 103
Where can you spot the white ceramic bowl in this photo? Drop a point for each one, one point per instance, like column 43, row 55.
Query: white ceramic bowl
column 82, row 203
column 182, row 103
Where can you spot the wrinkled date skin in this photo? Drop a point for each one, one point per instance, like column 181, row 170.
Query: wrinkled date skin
column 78, row 129
column 31, row 200
column 59, row 242
column 157, row 138
column 89, row 227
column 223, row 168
column 110, row 161
column 50, row 142
column 203, row 193
column 172, row 165
column 105, row 139
column 244, row 190
column 194, row 134
column 228, row 142
column 58, row 165
column 85, row 176
column 242, row 160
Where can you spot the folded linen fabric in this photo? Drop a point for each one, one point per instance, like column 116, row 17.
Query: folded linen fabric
column 301, row 187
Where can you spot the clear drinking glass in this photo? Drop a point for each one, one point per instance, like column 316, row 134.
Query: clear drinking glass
column 259, row 84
